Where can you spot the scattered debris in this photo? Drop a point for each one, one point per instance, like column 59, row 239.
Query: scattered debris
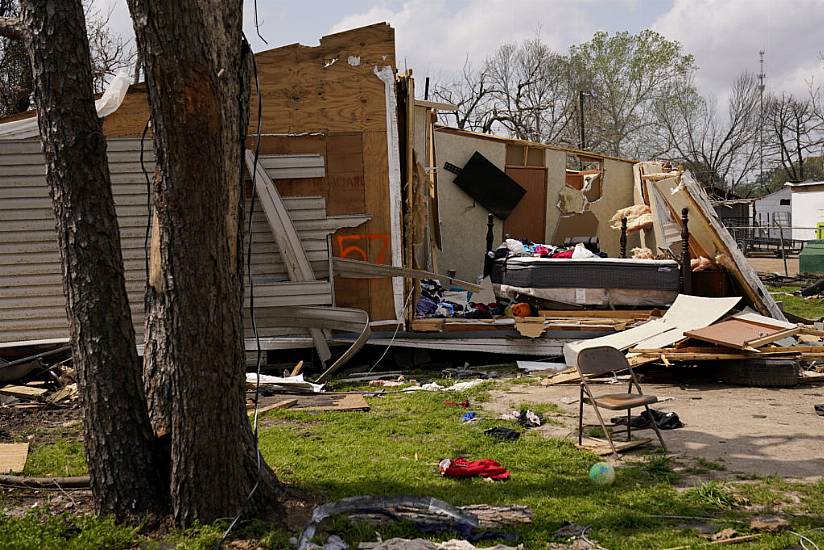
column 503, row 434
column 526, row 418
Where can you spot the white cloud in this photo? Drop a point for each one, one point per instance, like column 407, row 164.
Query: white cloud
column 433, row 37
column 726, row 36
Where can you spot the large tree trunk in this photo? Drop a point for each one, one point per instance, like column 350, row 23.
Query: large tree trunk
column 116, row 426
column 198, row 89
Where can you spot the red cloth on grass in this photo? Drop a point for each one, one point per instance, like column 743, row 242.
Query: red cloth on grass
column 461, row 467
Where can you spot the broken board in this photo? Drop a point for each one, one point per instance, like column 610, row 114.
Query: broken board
column 24, row 392
column 741, row 333
column 13, row 457
column 319, row 402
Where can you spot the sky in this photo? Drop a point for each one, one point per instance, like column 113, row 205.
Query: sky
column 435, row 37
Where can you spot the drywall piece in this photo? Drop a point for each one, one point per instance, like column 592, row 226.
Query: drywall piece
column 462, row 220
column 387, row 75
column 286, row 237
column 571, row 201
column 490, row 186
column 686, row 313
column 579, row 225
column 756, row 318
column 592, row 187
column 13, row 457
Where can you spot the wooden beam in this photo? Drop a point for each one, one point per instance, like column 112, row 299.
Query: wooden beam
column 442, row 106
column 357, row 269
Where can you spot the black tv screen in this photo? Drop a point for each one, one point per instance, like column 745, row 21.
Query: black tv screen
column 489, row 186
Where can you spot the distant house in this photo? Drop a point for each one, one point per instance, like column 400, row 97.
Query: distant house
column 774, row 210
column 807, row 203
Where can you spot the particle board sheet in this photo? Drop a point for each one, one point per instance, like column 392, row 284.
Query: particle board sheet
column 686, row 313
column 738, row 333
column 13, row 457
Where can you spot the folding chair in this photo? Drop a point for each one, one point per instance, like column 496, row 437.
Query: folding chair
column 601, row 360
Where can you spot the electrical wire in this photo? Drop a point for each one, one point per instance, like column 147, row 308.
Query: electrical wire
column 257, row 25
column 251, row 284
column 395, row 334
column 148, row 198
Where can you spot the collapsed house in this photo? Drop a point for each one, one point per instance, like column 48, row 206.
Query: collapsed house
column 363, row 195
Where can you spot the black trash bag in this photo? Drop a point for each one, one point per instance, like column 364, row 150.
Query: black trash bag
column 664, row 421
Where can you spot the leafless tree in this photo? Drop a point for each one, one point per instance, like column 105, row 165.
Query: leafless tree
column 532, row 98
column 794, row 129
column 471, row 93
column 111, row 52
column 720, row 153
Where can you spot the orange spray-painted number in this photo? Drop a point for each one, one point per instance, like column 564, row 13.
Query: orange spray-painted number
column 354, row 246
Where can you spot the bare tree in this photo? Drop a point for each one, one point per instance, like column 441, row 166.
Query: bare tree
column 111, row 53
column 532, row 98
column 721, row 154
column 794, row 132
column 471, row 93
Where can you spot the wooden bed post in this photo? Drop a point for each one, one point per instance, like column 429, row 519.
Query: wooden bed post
column 686, row 268
column 623, row 252
column 490, row 237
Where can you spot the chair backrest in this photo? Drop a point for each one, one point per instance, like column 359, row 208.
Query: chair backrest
column 600, row 360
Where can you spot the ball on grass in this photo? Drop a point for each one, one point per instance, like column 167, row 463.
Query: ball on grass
column 602, row 473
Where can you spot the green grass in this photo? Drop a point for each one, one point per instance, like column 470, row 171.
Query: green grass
column 812, row 308
column 61, row 458
column 394, row 450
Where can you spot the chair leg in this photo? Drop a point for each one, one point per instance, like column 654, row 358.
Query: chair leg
column 629, row 424
column 581, row 415
column 604, row 428
column 657, row 430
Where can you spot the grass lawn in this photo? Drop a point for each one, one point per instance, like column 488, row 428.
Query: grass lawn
column 808, row 308
column 394, row 449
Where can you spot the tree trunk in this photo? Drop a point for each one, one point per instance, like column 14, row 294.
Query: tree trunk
column 116, row 426
column 197, row 77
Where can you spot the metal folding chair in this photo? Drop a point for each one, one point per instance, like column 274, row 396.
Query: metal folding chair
column 602, row 360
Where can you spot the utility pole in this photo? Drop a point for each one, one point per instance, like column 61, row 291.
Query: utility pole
column 761, row 77
column 581, row 113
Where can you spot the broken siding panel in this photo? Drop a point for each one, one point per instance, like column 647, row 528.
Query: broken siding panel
column 32, row 305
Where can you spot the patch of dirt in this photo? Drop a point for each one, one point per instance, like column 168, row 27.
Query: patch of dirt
column 748, row 432
column 16, row 502
column 49, row 422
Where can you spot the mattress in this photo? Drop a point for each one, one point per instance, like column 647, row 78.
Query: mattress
column 586, row 273
column 609, row 297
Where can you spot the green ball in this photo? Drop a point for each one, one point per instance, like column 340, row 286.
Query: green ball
column 602, row 473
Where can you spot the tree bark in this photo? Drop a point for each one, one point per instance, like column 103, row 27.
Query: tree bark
column 197, row 79
column 117, row 433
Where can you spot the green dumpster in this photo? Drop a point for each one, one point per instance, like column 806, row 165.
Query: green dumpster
column 811, row 259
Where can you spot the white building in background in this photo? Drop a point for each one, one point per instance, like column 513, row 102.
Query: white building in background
column 774, row 211
column 807, row 202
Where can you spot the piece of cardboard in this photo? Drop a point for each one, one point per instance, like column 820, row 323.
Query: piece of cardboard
column 13, row 457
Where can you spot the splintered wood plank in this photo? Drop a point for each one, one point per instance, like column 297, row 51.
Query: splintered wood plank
column 13, row 457
column 345, row 402
column 601, row 446
column 26, row 392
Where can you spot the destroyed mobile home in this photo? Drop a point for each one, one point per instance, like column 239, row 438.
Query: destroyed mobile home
column 374, row 225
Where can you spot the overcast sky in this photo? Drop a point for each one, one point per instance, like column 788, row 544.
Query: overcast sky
column 433, row 37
